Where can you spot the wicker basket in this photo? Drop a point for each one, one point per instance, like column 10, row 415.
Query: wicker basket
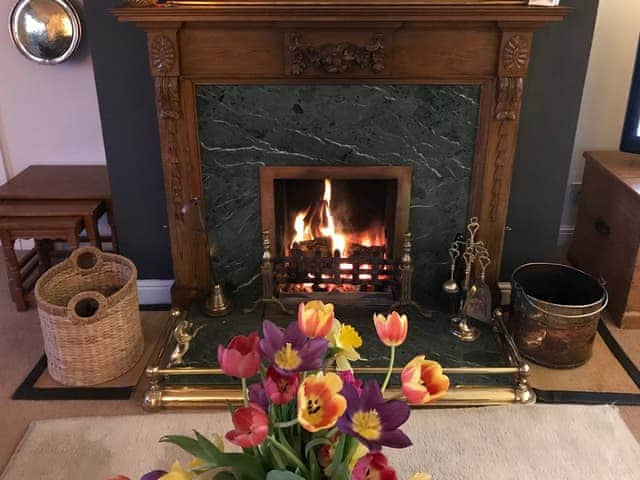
column 88, row 307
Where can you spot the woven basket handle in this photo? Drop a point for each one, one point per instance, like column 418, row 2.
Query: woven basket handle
column 86, row 308
column 86, row 260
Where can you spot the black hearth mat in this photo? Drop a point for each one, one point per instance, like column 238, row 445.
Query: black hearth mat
column 38, row 385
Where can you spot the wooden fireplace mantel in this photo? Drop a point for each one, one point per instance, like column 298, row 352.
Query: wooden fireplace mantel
column 486, row 43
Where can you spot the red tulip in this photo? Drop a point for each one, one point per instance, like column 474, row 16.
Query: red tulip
column 280, row 389
column 392, row 329
column 373, row 466
column 251, row 426
column 423, row 381
column 241, row 358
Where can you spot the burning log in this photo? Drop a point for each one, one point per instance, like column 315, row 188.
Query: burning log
column 320, row 246
column 358, row 250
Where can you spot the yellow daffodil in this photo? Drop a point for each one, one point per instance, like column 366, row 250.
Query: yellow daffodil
column 319, row 401
column 421, row 476
column 217, row 441
column 344, row 340
column 179, row 473
column 359, row 452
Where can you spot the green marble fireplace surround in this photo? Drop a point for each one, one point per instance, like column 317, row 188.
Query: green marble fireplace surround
column 430, row 128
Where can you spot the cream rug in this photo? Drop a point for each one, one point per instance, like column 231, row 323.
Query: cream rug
column 500, row 443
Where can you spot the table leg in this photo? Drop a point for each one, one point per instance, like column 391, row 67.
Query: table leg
column 73, row 237
column 13, row 272
column 91, row 226
column 112, row 225
column 44, row 248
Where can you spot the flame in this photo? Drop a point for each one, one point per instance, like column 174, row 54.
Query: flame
column 319, row 221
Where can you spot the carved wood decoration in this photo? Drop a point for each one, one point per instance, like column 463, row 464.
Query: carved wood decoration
column 336, row 58
column 384, row 42
column 139, row 3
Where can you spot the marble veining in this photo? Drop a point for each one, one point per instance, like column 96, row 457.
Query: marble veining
column 431, row 128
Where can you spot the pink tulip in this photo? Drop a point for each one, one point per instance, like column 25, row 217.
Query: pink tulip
column 423, row 381
column 251, row 426
column 241, row 358
column 374, row 465
column 280, row 389
column 348, row 378
column 392, row 329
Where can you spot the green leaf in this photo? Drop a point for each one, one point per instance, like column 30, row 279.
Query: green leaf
column 283, row 475
column 340, row 473
column 337, row 456
column 188, row 444
column 314, row 466
column 314, row 443
column 244, row 466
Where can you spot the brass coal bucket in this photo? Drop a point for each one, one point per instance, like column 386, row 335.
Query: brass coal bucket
column 555, row 313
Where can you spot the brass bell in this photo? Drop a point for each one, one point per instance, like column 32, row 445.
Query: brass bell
column 216, row 304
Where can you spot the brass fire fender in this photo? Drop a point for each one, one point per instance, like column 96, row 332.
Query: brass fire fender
column 161, row 395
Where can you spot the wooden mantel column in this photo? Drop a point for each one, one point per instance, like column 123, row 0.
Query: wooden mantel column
column 463, row 42
column 184, row 202
column 513, row 61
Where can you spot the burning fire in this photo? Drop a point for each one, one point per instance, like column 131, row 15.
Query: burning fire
column 318, row 221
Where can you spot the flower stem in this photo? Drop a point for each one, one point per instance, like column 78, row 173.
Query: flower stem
column 288, row 424
column 245, row 392
column 391, row 362
column 290, row 455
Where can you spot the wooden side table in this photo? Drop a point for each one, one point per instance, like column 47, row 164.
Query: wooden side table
column 62, row 182
column 606, row 242
column 42, row 230
column 47, row 203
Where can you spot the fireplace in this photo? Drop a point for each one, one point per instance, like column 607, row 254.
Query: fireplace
column 248, row 89
column 202, row 48
column 337, row 231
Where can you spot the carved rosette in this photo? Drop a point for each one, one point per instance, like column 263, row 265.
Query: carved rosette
column 335, row 58
column 515, row 55
column 163, row 54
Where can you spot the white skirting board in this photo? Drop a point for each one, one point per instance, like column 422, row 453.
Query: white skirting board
column 154, row 292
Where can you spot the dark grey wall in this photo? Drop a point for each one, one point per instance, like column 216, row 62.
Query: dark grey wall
column 551, row 106
column 130, row 131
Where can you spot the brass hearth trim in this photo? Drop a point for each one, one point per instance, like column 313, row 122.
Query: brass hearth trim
column 160, row 396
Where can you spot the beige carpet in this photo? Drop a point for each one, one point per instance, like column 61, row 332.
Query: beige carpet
column 503, row 443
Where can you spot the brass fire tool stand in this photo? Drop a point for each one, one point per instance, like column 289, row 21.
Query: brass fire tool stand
column 267, row 279
column 472, row 251
column 406, row 279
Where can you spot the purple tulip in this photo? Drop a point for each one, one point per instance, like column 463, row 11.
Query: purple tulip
column 372, row 420
column 258, row 396
column 291, row 351
column 153, row 475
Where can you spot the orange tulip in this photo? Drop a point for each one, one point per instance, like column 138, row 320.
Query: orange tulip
column 423, row 381
column 315, row 318
column 319, row 402
column 392, row 329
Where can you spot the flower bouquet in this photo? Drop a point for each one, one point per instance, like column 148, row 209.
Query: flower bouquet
column 308, row 416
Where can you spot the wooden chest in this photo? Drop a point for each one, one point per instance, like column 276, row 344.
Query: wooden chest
column 607, row 238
